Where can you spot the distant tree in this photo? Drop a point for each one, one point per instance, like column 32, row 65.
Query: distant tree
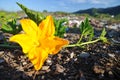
column 94, row 12
column 45, row 11
column 117, row 17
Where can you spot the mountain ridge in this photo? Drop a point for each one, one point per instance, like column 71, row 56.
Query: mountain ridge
column 110, row 10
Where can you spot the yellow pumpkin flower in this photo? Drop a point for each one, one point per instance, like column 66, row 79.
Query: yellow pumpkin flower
column 39, row 41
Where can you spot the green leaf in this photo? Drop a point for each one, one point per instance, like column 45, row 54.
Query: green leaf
column 60, row 29
column 11, row 27
column 91, row 35
column 102, row 36
column 6, row 28
column 86, row 29
column 103, row 33
column 35, row 16
column 104, row 39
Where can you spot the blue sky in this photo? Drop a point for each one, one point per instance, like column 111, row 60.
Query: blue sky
column 57, row 5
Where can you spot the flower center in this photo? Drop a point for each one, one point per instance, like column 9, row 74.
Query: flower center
column 37, row 44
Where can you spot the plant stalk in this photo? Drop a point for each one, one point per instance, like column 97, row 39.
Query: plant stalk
column 80, row 39
column 78, row 45
column 9, row 46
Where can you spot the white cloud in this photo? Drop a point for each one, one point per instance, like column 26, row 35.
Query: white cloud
column 105, row 2
column 62, row 4
column 79, row 1
column 99, row 2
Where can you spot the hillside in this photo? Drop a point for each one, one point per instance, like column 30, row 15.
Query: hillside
column 110, row 10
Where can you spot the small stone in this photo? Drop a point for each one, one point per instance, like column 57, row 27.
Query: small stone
column 59, row 56
column 45, row 67
column 49, row 62
column 1, row 37
column 72, row 55
column 19, row 68
column 43, row 77
column 112, row 55
column 65, row 35
column 59, row 68
column 111, row 74
column 1, row 53
column 75, row 59
column 104, row 47
column 1, row 67
column 68, row 59
column 84, row 55
column 2, row 60
column 117, row 51
column 24, row 63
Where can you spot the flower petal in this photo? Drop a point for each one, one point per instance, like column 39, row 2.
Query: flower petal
column 29, row 27
column 59, row 43
column 25, row 42
column 47, row 27
column 37, row 56
column 54, row 44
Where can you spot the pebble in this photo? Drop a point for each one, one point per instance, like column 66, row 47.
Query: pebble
column 49, row 62
column 84, row 55
column 59, row 68
column 111, row 74
column 1, row 53
column 1, row 67
column 1, row 37
column 117, row 51
column 24, row 63
column 104, row 47
column 112, row 55
column 19, row 68
column 2, row 60
column 45, row 67
column 115, row 41
column 72, row 55
column 43, row 77
column 75, row 59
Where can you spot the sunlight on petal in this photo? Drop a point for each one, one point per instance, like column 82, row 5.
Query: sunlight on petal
column 25, row 41
column 47, row 27
column 54, row 44
column 38, row 56
column 29, row 27
column 59, row 43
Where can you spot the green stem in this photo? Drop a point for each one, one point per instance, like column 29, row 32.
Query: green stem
column 80, row 39
column 9, row 46
column 78, row 45
column 90, row 42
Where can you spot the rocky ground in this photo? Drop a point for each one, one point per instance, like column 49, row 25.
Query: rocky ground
column 97, row 61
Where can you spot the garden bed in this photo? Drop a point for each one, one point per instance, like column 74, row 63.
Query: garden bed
column 97, row 61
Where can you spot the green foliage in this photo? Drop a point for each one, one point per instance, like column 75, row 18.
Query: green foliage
column 35, row 16
column 60, row 29
column 6, row 16
column 102, row 36
column 38, row 17
column 117, row 17
column 11, row 27
column 103, row 16
column 86, row 30
column 87, row 35
column 84, row 14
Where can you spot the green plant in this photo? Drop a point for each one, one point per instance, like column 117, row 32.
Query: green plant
column 86, row 30
column 11, row 27
column 60, row 29
column 87, row 35
column 35, row 16
column 38, row 17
